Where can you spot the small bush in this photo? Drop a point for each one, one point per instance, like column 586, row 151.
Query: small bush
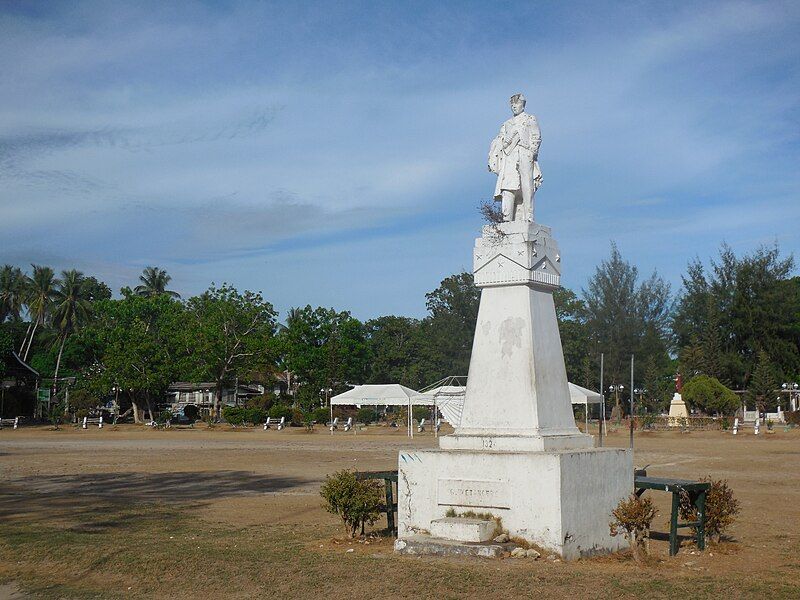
column 365, row 415
column 255, row 415
column 649, row 421
column 421, row 412
column 792, row 417
column 320, row 415
column 299, row 417
column 281, row 410
column 234, row 415
column 709, row 395
column 56, row 415
column 356, row 502
column 633, row 518
column 721, row 508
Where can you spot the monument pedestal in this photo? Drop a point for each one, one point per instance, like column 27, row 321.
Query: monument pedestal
column 678, row 413
column 517, row 454
column 561, row 501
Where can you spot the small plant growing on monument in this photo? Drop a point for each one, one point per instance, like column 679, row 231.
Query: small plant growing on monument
column 357, row 502
column 721, row 508
column 633, row 518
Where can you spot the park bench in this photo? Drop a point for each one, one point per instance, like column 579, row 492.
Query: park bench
column 93, row 421
column 334, row 425
column 389, row 506
column 696, row 490
column 12, row 422
column 274, row 421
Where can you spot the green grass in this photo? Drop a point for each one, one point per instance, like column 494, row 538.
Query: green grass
column 164, row 551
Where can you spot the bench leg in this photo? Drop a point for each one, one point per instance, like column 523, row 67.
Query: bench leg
column 389, row 505
column 700, row 505
column 673, row 525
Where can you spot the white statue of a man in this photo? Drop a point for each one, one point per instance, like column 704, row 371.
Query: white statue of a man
column 513, row 156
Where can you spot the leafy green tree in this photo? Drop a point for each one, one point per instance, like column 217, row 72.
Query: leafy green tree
column 729, row 311
column 154, row 282
column 762, row 386
column 450, row 327
column 710, row 396
column 324, row 349
column 96, row 290
column 12, row 292
column 71, row 310
column 625, row 316
column 39, row 299
column 394, row 348
column 141, row 347
column 570, row 312
column 229, row 334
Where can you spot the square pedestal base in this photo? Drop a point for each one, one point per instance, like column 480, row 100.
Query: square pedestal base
column 560, row 501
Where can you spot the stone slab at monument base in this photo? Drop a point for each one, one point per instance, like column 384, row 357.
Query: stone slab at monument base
column 560, row 501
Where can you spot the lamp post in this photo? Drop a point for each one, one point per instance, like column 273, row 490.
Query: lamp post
column 116, row 389
column 793, row 389
column 325, row 393
column 616, row 389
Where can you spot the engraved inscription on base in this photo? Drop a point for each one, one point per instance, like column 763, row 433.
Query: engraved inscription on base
column 472, row 492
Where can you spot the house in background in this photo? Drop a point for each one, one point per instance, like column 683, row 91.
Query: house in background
column 183, row 393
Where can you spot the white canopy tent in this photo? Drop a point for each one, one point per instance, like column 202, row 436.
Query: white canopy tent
column 390, row 394
column 446, row 395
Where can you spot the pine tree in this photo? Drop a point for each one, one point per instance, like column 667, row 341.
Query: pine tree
column 762, row 385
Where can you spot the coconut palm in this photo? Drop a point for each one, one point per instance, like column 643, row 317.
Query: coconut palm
column 39, row 299
column 154, row 283
column 71, row 309
column 12, row 292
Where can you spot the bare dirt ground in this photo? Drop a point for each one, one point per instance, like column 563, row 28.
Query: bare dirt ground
column 132, row 512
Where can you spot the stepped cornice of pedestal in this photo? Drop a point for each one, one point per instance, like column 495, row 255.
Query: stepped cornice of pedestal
column 517, row 253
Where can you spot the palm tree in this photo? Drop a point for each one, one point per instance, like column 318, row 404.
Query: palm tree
column 154, row 283
column 71, row 309
column 39, row 300
column 12, row 292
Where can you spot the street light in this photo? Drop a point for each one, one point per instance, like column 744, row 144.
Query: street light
column 326, row 394
column 640, row 392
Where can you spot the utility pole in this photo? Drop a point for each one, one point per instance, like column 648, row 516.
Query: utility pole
column 631, row 401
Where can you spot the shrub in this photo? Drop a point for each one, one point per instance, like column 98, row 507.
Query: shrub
column 234, row 415
column 265, row 401
column 56, row 414
column 281, row 410
column 356, row 502
column 633, row 518
column 792, row 417
column 709, row 395
column 320, row 415
column 649, row 421
column 298, row 417
column 365, row 415
column 721, row 508
column 421, row 412
column 81, row 401
column 162, row 418
column 255, row 415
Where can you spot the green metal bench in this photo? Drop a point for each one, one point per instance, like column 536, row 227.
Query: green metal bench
column 390, row 506
column 696, row 490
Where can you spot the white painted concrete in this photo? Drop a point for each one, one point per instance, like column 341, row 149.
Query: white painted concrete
column 462, row 529
column 561, row 501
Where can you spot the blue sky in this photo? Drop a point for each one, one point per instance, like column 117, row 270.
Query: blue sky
column 334, row 153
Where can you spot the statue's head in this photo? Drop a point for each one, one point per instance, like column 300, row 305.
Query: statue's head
column 517, row 102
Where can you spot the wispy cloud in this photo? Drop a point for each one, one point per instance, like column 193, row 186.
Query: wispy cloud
column 261, row 143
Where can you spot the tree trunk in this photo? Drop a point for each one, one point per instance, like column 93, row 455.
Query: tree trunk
column 149, row 407
column 135, row 408
column 58, row 365
column 30, row 341
column 218, row 400
column 25, row 339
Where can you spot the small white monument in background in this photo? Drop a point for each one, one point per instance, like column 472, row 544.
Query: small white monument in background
column 678, row 414
column 516, row 454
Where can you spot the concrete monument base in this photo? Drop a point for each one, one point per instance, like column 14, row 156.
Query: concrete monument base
column 560, row 501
